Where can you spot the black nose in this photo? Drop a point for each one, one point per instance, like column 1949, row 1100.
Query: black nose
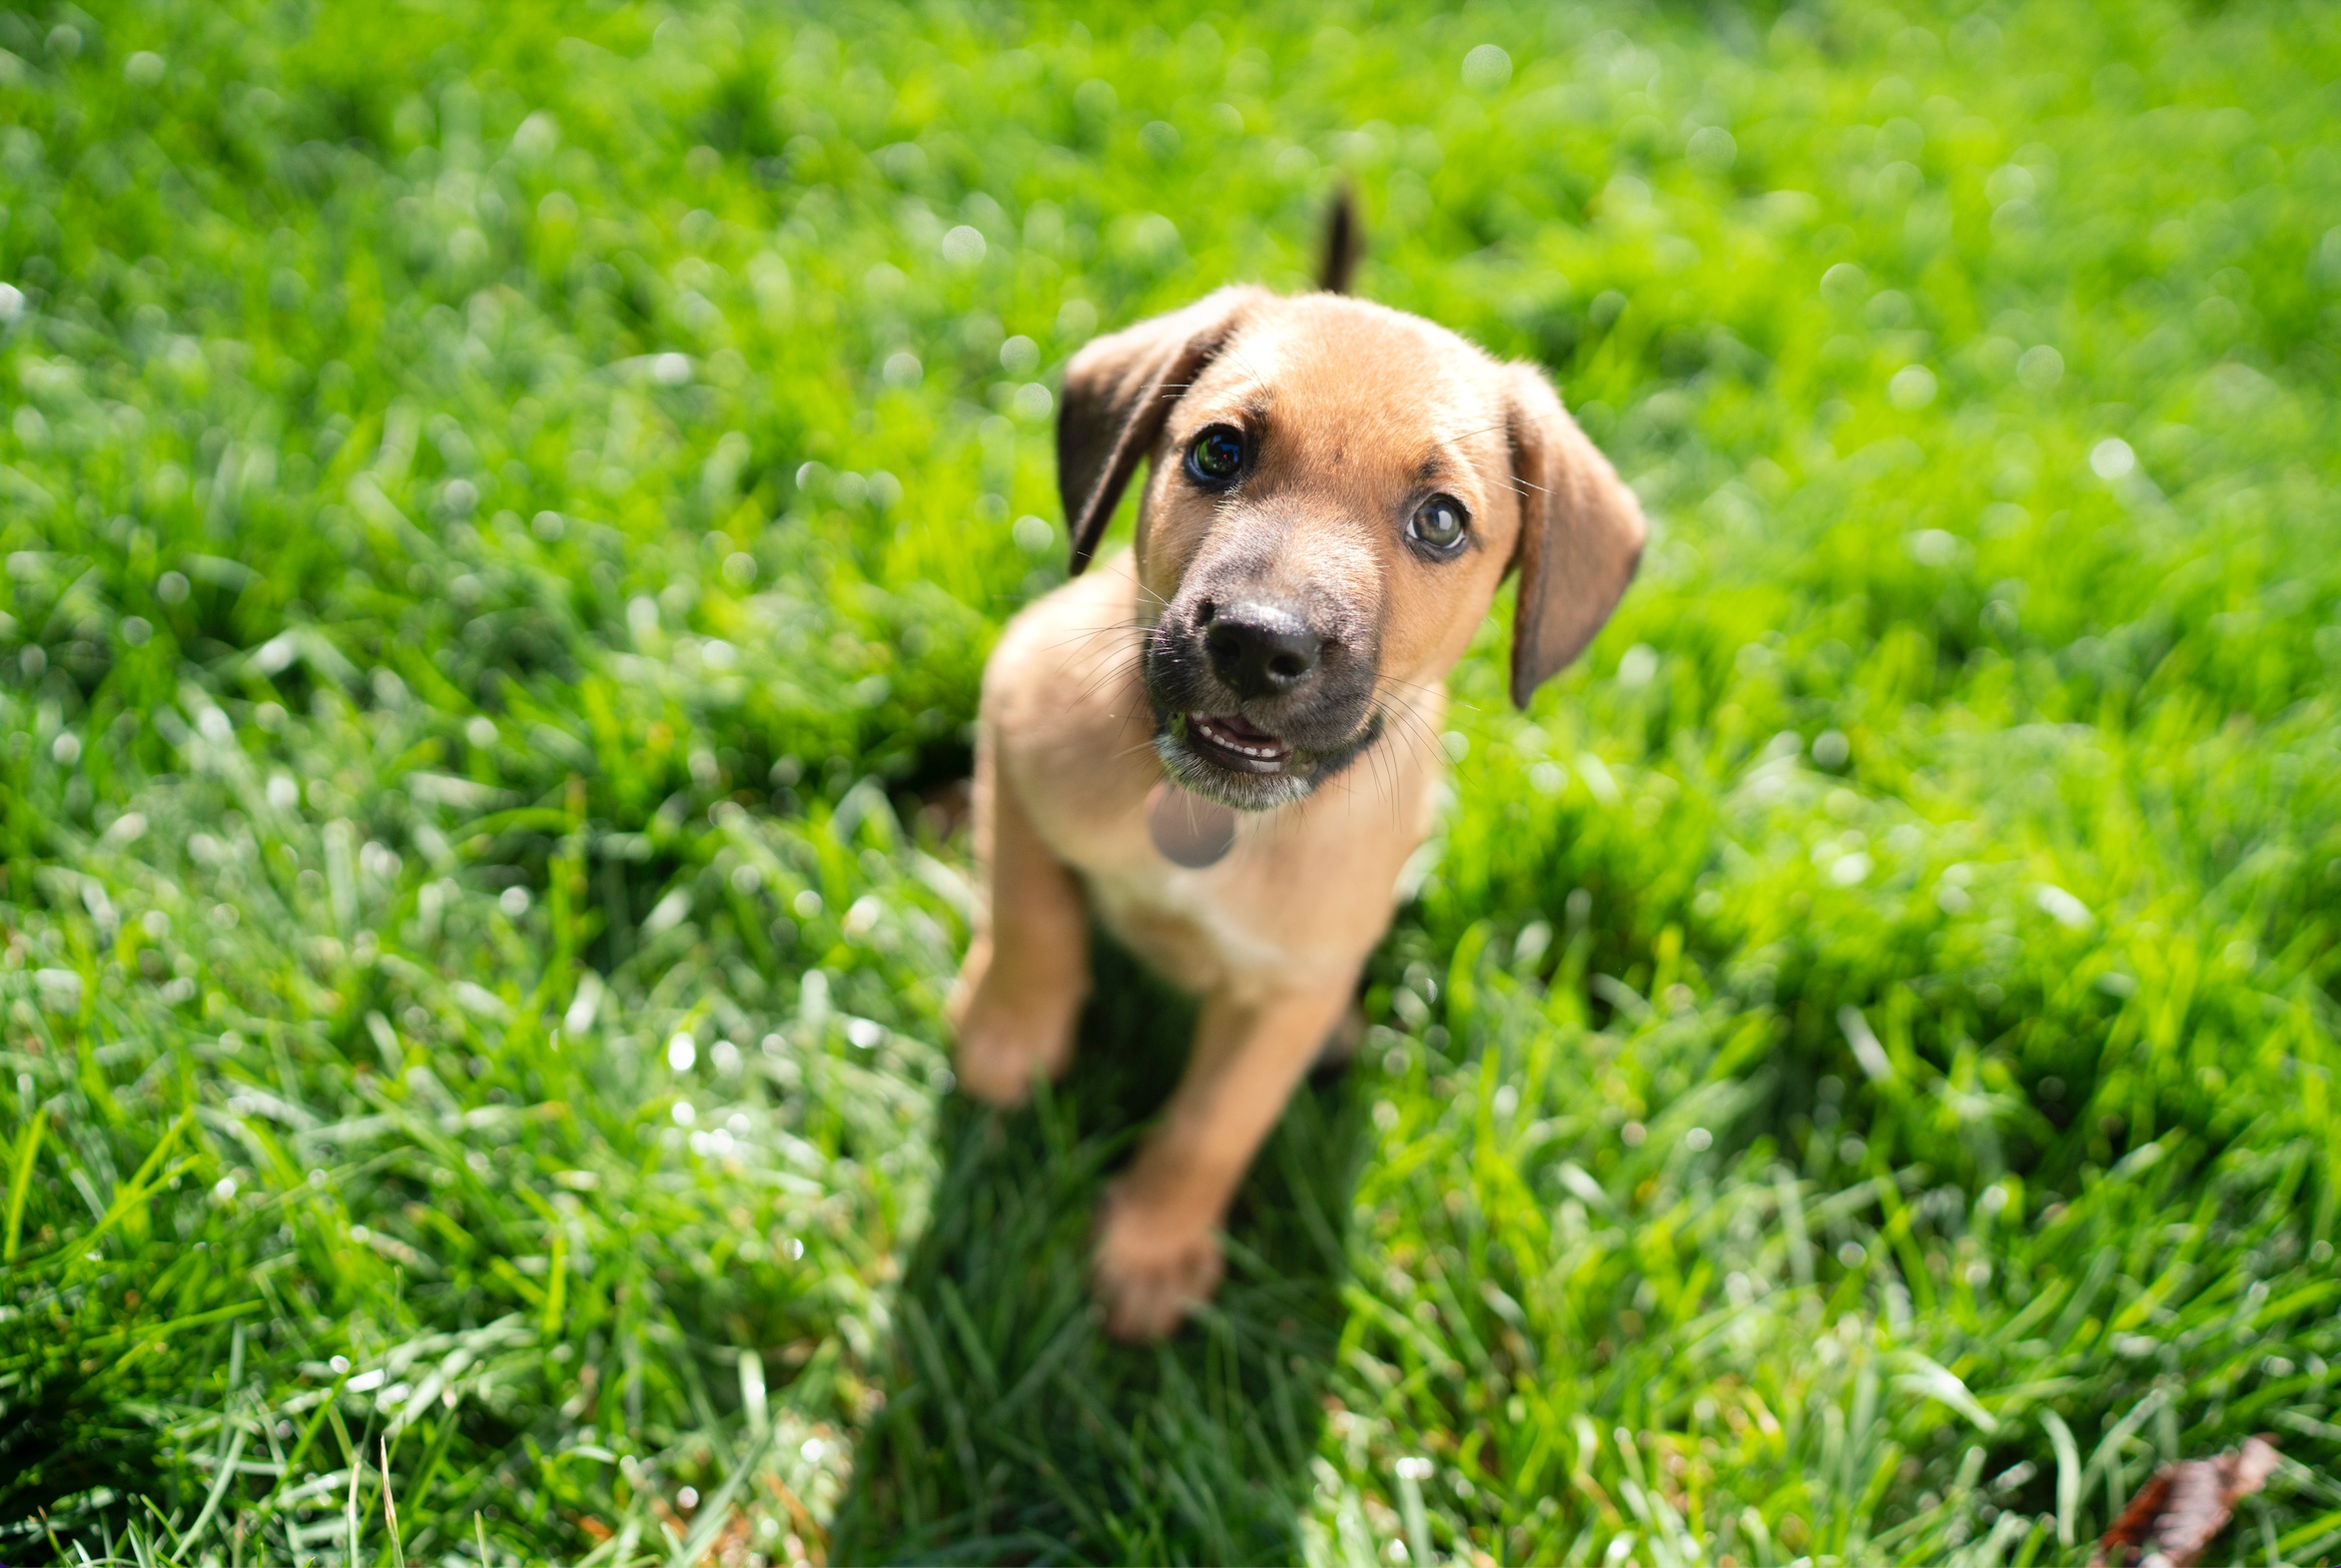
column 1258, row 651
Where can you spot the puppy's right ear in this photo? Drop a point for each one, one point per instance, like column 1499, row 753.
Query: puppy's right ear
column 1118, row 391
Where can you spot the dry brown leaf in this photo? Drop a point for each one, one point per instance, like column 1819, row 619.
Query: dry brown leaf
column 2183, row 1508
column 808, row 1530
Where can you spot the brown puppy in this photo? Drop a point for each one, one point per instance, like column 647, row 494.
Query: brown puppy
column 1336, row 490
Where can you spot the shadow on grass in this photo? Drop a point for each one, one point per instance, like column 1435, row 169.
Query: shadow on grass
column 1016, row 1430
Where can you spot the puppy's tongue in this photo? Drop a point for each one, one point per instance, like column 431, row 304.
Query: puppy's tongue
column 1188, row 830
column 1243, row 728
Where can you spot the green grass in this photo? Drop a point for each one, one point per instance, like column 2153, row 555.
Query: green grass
column 503, row 512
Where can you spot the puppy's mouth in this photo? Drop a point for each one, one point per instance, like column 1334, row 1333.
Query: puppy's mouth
column 1234, row 742
column 1255, row 751
column 1230, row 759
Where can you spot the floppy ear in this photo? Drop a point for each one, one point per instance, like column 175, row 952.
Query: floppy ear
column 1118, row 391
column 1581, row 534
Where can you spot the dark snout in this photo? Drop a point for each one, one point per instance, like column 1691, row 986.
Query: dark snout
column 1258, row 651
column 1264, row 689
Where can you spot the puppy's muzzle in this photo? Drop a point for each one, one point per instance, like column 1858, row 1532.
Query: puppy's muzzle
column 1259, row 699
column 1258, row 651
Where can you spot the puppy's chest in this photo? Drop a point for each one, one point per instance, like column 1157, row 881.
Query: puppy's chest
column 1219, row 926
column 1302, row 897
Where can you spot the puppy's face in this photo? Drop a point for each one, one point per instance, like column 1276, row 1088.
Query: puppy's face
column 1329, row 515
column 1337, row 490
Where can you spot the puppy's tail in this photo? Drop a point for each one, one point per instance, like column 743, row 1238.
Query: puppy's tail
column 1344, row 241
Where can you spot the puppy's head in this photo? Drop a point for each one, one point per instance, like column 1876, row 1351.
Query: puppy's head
column 1336, row 490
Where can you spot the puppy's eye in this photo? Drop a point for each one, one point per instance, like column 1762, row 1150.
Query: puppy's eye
column 1217, row 454
column 1437, row 524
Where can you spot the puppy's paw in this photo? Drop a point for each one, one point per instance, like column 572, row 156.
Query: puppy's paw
column 1003, row 1045
column 1149, row 1271
column 996, row 1070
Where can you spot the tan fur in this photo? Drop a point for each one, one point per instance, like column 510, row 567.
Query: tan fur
column 1352, row 405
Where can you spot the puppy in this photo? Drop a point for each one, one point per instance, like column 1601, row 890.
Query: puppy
column 1222, row 742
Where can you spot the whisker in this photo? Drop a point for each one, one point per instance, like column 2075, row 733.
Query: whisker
column 1430, row 688
column 1117, row 670
column 1413, row 723
column 1386, row 768
column 1411, row 686
column 1384, row 773
column 1122, row 728
column 1399, row 737
column 1405, row 696
column 1112, row 625
column 1086, row 634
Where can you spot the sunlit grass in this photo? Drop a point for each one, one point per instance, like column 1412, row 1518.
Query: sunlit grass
column 503, row 517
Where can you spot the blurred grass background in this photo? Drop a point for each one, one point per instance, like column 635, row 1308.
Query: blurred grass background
column 504, row 510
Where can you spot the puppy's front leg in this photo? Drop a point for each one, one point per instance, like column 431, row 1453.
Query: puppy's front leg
column 1028, row 967
column 1157, row 1254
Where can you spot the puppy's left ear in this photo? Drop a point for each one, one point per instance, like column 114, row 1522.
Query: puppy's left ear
column 1581, row 534
column 1118, row 391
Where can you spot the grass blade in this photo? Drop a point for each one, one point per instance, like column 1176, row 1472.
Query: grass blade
column 349, row 1508
column 219, row 1485
column 2068, row 1474
column 20, row 1178
column 714, row 1509
column 391, row 1508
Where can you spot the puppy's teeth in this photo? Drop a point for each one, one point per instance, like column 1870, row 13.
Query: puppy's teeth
column 1217, row 736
